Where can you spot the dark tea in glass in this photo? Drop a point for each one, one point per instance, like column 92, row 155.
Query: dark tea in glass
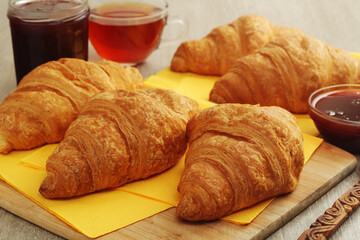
column 47, row 30
column 126, row 32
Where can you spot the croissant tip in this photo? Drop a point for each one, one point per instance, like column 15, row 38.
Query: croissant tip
column 178, row 64
column 188, row 208
column 47, row 188
column 5, row 146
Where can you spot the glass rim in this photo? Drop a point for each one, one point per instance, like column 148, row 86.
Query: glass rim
column 113, row 20
column 314, row 98
column 15, row 10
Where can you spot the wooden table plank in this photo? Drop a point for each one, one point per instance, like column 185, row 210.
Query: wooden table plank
column 332, row 21
column 327, row 166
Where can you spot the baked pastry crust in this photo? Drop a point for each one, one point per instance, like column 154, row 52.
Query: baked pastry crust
column 48, row 99
column 215, row 53
column 238, row 155
column 285, row 72
column 119, row 137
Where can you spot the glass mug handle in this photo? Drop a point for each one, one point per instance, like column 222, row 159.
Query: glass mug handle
column 175, row 30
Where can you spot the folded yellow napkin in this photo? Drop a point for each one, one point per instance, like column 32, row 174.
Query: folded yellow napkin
column 94, row 214
column 198, row 87
column 100, row 213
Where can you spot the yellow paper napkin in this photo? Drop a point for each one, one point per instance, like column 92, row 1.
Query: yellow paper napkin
column 163, row 187
column 94, row 214
column 199, row 86
column 100, row 213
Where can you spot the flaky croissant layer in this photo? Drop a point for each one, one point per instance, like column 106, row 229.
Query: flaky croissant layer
column 285, row 72
column 238, row 155
column 48, row 99
column 119, row 137
column 215, row 53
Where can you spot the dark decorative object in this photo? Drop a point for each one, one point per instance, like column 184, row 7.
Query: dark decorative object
column 333, row 217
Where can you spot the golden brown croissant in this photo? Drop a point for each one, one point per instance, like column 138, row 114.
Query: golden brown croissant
column 215, row 53
column 119, row 137
column 48, row 99
column 238, row 155
column 285, row 72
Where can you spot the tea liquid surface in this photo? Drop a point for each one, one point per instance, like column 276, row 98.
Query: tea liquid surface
column 126, row 40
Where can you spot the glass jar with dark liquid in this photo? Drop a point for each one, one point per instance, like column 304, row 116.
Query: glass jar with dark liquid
column 45, row 30
column 336, row 114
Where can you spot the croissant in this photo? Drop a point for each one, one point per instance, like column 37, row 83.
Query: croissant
column 119, row 137
column 48, row 99
column 285, row 72
column 238, row 155
column 216, row 53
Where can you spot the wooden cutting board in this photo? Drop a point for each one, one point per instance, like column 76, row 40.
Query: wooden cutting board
column 327, row 166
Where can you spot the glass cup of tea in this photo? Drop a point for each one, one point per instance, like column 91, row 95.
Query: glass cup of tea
column 128, row 31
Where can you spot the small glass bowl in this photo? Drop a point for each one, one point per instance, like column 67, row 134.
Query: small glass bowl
column 339, row 132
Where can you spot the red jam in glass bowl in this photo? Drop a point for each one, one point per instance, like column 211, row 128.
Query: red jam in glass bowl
column 335, row 111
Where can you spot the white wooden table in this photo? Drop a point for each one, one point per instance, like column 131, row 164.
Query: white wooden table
column 335, row 22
